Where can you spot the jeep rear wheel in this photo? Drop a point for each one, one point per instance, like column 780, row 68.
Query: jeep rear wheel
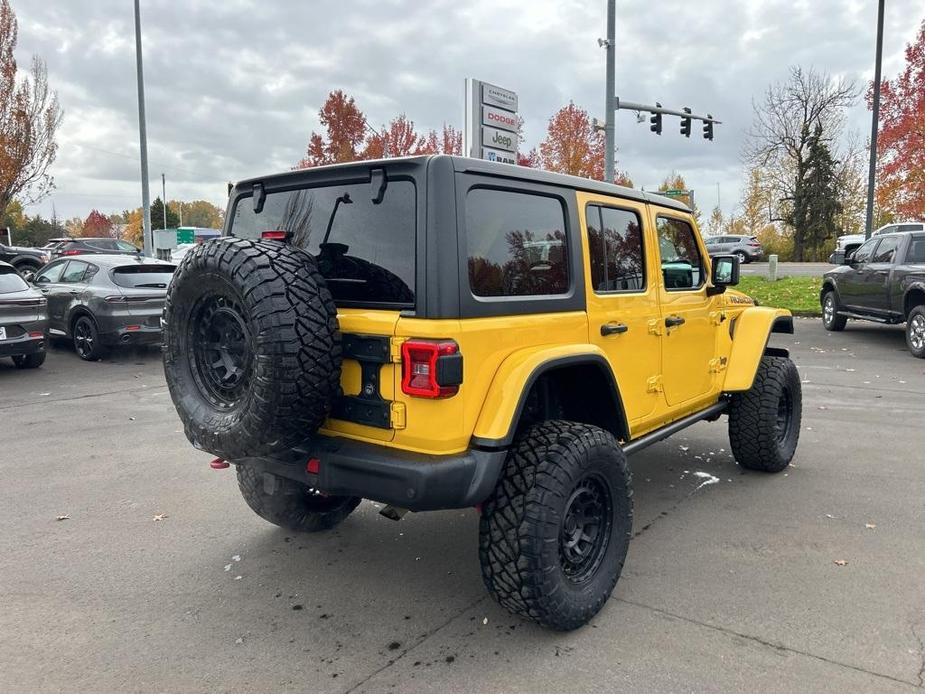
column 554, row 534
column 292, row 505
column 830, row 318
column 252, row 352
column 764, row 422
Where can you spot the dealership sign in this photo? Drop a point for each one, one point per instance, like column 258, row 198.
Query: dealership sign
column 491, row 123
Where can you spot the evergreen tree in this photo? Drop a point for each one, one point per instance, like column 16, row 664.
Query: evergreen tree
column 157, row 216
column 815, row 202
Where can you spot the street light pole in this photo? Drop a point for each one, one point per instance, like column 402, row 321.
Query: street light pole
column 610, row 138
column 143, row 137
column 874, row 125
column 164, row 197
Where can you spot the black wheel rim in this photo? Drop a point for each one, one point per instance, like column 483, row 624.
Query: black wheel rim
column 784, row 416
column 84, row 338
column 221, row 354
column 585, row 529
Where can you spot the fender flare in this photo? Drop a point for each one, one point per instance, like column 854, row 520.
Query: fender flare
column 751, row 332
column 917, row 286
column 506, row 398
column 827, row 284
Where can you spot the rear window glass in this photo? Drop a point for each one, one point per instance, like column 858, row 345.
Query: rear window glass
column 10, row 281
column 365, row 251
column 150, row 276
column 517, row 244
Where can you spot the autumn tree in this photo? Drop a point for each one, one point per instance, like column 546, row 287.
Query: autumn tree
column 573, row 145
column 448, row 141
column 96, row 225
column 675, row 181
column 397, row 139
column 345, row 132
column 715, row 223
column 901, row 138
column 198, row 213
column 29, row 119
column 134, row 227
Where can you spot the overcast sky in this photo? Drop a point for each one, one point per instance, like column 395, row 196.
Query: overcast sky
column 234, row 86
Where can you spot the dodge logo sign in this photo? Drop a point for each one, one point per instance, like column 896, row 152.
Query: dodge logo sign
column 497, row 118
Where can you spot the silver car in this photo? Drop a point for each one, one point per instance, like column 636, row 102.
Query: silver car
column 747, row 248
column 23, row 320
column 102, row 301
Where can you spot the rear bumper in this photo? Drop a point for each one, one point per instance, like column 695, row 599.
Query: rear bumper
column 409, row 480
column 21, row 346
column 145, row 335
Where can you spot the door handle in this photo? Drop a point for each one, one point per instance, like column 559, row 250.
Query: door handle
column 74, row 293
column 674, row 321
column 613, row 329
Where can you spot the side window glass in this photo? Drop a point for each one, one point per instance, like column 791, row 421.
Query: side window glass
column 886, row 250
column 90, row 273
column 125, row 246
column 916, row 252
column 616, row 250
column 51, row 274
column 74, row 272
column 516, row 244
column 682, row 266
column 862, row 255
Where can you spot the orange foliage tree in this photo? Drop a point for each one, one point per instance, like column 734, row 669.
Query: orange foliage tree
column 96, row 225
column 901, row 139
column 574, row 146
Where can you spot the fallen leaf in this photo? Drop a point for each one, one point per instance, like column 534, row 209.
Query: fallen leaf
column 236, row 557
column 238, row 578
column 159, row 516
column 485, row 620
column 227, row 567
column 870, row 526
column 841, row 562
column 63, row 517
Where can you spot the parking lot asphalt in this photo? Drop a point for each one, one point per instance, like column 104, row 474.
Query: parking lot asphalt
column 160, row 579
column 788, row 269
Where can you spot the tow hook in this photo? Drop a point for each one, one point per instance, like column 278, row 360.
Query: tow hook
column 393, row 512
column 218, row 464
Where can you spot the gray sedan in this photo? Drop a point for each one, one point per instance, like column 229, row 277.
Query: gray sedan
column 23, row 321
column 102, row 301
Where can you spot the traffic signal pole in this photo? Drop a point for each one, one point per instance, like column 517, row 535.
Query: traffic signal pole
column 610, row 113
column 874, row 126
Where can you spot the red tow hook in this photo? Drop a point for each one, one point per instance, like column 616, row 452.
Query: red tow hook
column 218, row 464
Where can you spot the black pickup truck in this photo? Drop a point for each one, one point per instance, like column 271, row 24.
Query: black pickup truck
column 27, row 261
column 883, row 281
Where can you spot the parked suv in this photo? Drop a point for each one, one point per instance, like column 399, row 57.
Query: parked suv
column 25, row 260
column 90, row 246
column 23, row 320
column 882, row 281
column 440, row 332
column 745, row 248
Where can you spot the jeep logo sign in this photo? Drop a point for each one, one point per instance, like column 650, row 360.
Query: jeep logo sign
column 497, row 118
column 499, row 139
column 491, row 122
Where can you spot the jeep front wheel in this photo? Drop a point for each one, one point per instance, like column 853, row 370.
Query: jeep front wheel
column 764, row 422
column 554, row 534
column 289, row 504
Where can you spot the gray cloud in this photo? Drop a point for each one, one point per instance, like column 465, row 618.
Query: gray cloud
column 233, row 88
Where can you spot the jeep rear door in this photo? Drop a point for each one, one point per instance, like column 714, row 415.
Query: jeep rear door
column 620, row 267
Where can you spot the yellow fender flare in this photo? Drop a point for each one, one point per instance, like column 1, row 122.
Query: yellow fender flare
column 751, row 331
column 513, row 379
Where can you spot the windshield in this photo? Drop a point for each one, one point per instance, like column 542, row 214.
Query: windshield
column 365, row 251
column 143, row 276
column 10, row 281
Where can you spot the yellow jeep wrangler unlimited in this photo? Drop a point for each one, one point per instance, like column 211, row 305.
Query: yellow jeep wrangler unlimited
column 439, row 332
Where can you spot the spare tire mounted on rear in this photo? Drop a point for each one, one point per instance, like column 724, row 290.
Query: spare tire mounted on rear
column 252, row 351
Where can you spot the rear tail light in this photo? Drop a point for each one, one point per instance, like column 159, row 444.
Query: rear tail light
column 276, row 235
column 431, row 368
column 36, row 334
column 73, row 252
column 132, row 328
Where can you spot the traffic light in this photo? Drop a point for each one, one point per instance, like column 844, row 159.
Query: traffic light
column 708, row 128
column 656, row 120
column 686, row 123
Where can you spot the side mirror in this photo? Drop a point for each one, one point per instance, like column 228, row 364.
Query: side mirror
column 724, row 273
column 39, row 280
column 838, row 257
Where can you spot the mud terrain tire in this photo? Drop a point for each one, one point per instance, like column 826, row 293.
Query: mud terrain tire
column 252, row 351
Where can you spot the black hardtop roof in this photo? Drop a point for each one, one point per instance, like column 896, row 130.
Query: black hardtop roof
column 486, row 168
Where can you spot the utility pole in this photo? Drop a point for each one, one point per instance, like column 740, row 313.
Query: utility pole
column 143, row 137
column 164, row 197
column 610, row 114
column 874, row 125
